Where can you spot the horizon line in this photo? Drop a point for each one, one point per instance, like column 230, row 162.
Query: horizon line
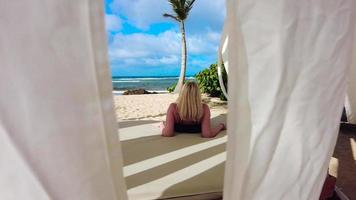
column 155, row 76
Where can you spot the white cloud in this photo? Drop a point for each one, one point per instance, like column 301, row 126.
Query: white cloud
column 213, row 36
column 161, row 49
column 165, row 60
column 141, row 13
column 203, row 28
column 121, row 53
column 206, row 14
column 112, row 22
column 201, row 44
column 169, row 59
column 146, row 49
column 140, row 45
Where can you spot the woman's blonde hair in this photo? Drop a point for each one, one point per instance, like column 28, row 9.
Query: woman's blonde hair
column 189, row 102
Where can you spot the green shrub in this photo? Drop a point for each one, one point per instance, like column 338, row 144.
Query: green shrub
column 171, row 88
column 208, row 81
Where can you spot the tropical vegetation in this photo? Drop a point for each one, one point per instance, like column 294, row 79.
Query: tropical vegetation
column 208, row 81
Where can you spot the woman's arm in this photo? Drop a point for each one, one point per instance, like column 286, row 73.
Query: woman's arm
column 207, row 131
column 168, row 127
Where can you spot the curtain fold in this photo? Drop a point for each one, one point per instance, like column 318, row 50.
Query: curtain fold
column 58, row 131
column 350, row 103
column 288, row 63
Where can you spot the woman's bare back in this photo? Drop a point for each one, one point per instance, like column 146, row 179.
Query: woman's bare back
column 174, row 123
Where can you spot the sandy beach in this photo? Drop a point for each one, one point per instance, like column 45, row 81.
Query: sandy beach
column 154, row 106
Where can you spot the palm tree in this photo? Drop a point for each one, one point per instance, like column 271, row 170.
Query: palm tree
column 181, row 10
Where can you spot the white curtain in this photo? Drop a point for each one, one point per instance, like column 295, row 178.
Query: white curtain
column 350, row 103
column 58, row 133
column 288, row 62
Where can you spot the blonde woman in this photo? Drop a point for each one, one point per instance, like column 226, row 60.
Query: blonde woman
column 189, row 114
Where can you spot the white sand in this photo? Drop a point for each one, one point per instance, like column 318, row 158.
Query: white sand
column 154, row 106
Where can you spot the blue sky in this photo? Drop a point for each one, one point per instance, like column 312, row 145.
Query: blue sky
column 144, row 43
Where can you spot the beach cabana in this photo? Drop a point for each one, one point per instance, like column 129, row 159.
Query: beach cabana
column 291, row 64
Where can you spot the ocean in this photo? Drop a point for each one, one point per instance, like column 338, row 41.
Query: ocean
column 157, row 84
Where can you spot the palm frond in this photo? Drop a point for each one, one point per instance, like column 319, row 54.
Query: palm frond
column 171, row 16
column 188, row 6
column 190, row 3
column 178, row 9
column 181, row 8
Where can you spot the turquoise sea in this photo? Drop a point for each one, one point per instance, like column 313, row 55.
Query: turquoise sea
column 158, row 83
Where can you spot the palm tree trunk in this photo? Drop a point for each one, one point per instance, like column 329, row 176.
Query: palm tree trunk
column 184, row 60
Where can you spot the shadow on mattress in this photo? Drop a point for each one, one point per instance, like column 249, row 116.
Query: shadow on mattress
column 156, row 167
